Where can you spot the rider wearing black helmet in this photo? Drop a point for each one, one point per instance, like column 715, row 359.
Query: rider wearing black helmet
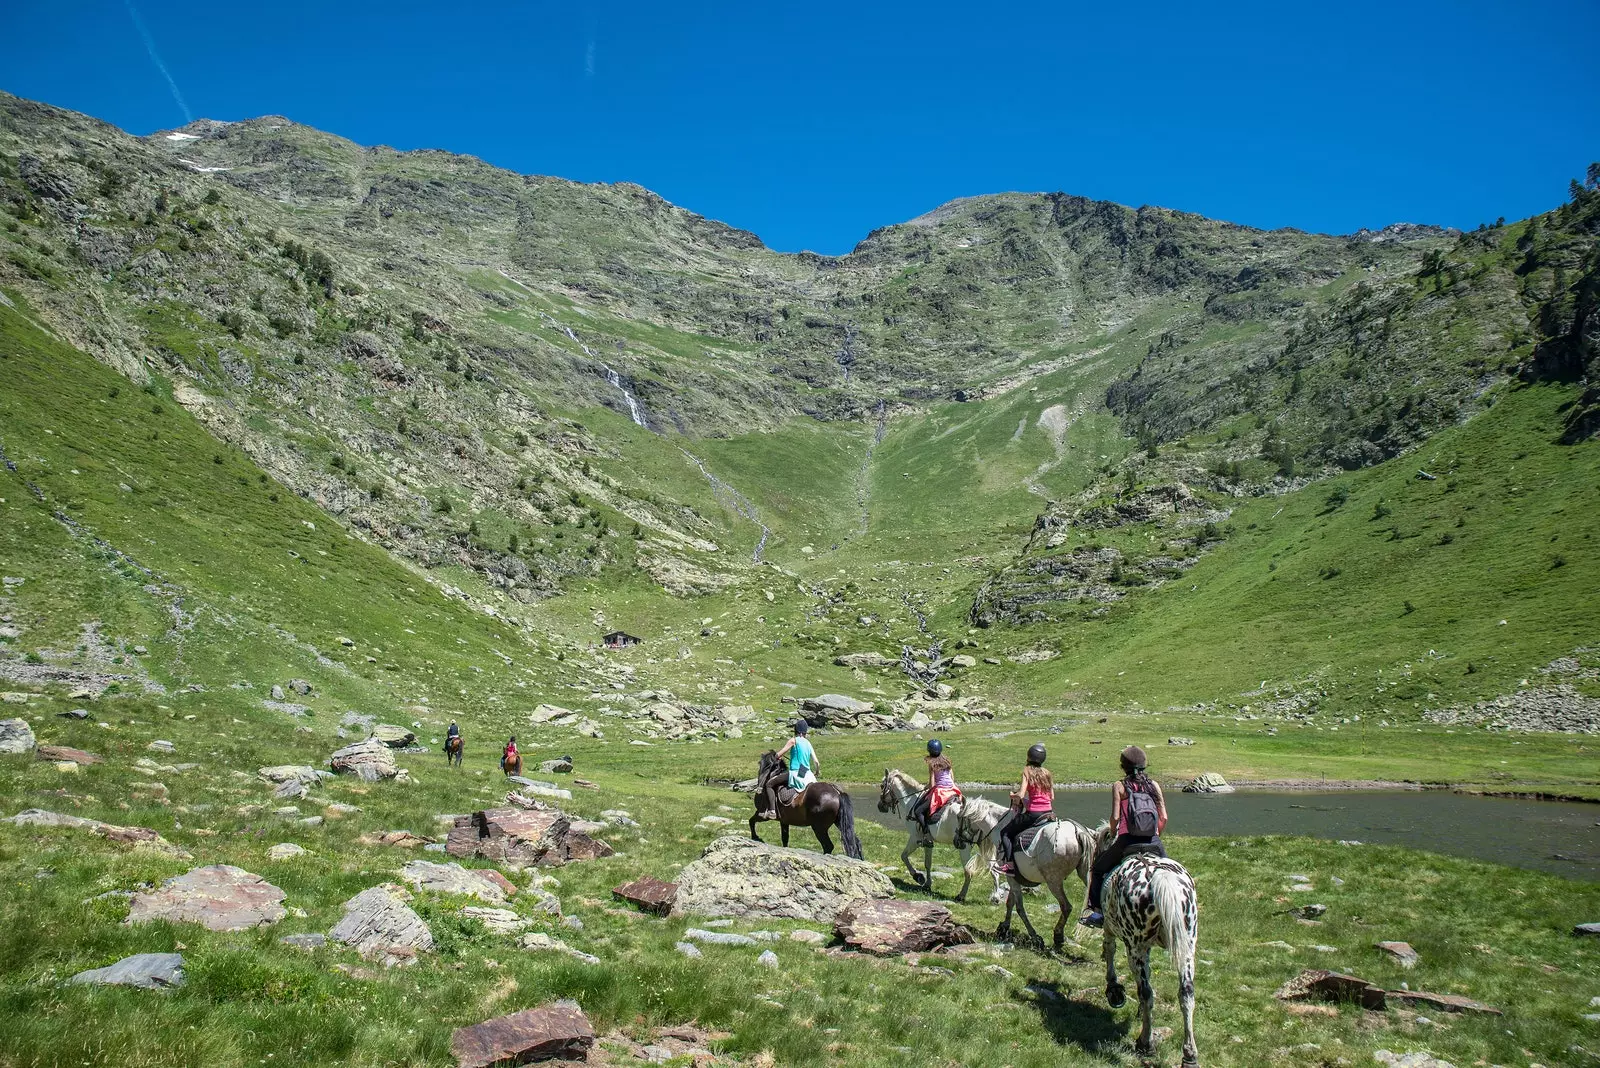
column 1033, row 803
column 941, row 786
column 1139, row 813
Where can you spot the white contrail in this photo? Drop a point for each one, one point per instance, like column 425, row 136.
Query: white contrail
column 150, row 46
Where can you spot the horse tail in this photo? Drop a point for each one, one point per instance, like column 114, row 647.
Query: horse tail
column 847, row 827
column 1171, row 893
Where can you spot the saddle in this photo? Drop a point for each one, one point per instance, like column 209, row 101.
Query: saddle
column 788, row 797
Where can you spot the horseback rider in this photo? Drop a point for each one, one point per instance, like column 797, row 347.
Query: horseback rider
column 453, row 732
column 1139, row 813
column 800, row 758
column 1034, row 801
column 941, row 788
column 509, row 755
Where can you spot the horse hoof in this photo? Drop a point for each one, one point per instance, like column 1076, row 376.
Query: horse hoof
column 1116, row 997
column 1058, row 942
column 1189, row 1062
column 1144, row 1049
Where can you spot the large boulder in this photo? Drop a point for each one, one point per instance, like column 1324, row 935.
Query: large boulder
column 368, row 760
column 219, row 897
column 392, row 736
column 282, row 773
column 139, row 838
column 148, row 971
column 16, row 736
column 520, row 837
column 485, row 884
column 1207, row 783
column 833, row 710
column 380, row 926
column 889, row 928
column 736, row 876
column 558, row 1031
column 865, row 660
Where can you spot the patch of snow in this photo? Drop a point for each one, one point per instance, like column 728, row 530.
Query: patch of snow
column 182, row 137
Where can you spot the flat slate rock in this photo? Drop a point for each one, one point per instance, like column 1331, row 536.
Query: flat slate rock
column 147, row 971
column 369, row 761
column 140, row 838
column 558, row 1031
column 380, row 926
column 1319, row 984
column 537, row 835
column 1591, row 930
column 67, row 753
column 890, row 928
column 648, row 893
column 1401, row 952
column 305, row 941
column 1443, row 1002
column 485, row 884
column 219, row 897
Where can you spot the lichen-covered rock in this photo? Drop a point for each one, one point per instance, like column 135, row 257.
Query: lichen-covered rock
column 736, row 876
column 140, row 838
column 557, row 1031
column 1207, row 783
column 392, row 736
column 485, row 884
column 16, row 736
column 889, row 928
column 281, row 773
column 833, row 710
column 368, row 760
column 219, row 897
column 380, row 926
column 521, row 837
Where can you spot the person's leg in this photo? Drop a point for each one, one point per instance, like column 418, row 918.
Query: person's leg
column 1104, row 862
column 769, row 794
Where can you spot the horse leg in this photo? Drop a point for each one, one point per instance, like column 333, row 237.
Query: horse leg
column 1059, row 890
column 1022, row 910
column 784, row 829
column 821, row 831
column 967, row 864
column 753, row 833
column 1191, row 1054
column 905, row 857
column 1116, row 997
column 1003, row 933
column 1147, row 999
column 927, row 865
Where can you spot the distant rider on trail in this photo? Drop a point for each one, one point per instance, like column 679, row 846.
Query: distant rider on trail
column 941, row 787
column 509, row 757
column 801, row 760
column 1139, row 813
column 1034, row 801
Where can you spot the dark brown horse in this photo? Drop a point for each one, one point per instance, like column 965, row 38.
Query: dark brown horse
column 453, row 750
column 820, row 806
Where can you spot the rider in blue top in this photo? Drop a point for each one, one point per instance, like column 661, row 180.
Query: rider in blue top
column 801, row 760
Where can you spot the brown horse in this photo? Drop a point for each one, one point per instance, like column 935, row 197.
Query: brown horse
column 513, row 765
column 453, row 750
column 820, row 806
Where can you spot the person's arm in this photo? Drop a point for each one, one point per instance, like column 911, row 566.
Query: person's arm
column 785, row 750
column 1161, row 807
column 1116, row 804
column 816, row 765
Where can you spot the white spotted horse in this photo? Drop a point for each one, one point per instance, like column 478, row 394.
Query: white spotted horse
column 1150, row 900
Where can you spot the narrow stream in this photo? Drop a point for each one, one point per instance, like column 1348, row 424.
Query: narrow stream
column 1551, row 836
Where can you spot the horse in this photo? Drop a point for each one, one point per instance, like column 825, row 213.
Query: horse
column 962, row 823
column 819, row 806
column 1150, row 900
column 1061, row 847
column 453, row 750
column 512, row 766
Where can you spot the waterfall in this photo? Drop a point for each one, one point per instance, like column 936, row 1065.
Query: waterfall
column 741, row 504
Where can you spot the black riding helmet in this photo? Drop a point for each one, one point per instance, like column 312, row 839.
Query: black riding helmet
column 1036, row 754
column 935, row 747
column 802, row 727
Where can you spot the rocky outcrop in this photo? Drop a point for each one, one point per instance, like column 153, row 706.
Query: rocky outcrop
column 833, row 710
column 380, row 926
column 139, row 838
column 219, row 897
column 1318, row 984
column 558, row 1031
column 392, row 736
column 866, row 660
column 1561, row 708
column 147, row 971
column 16, row 736
column 485, row 884
column 368, row 760
column 889, row 928
column 282, row 773
column 517, row 837
column 1207, row 783
column 736, row 876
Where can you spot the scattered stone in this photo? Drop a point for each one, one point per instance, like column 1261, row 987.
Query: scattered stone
column 688, row 949
column 379, row 925
column 888, row 928
column 533, row 788
column 338, row 810
column 649, row 894
column 74, row 713
column 1401, row 952
column 66, row 754
column 560, row 766
column 290, row 790
column 1409, row 1060
column 147, row 971
column 485, row 884
column 995, row 969
column 369, row 761
column 1310, row 912
column 1443, row 1002
column 539, row 835
column 140, row 838
column 285, row 851
column 718, row 938
column 392, row 736
column 498, row 921
column 282, row 773
column 1180, row 741
column 739, row 877
column 1318, row 984
column 768, row 959
column 810, row 938
column 1207, row 783
column 305, row 941
column 219, row 897
column 16, row 737
column 715, row 821
column 400, row 839
column 535, row 940
column 1591, row 930
column 557, row 1031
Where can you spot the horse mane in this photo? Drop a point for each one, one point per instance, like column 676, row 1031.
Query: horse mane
column 1103, row 834
column 901, row 778
column 768, row 759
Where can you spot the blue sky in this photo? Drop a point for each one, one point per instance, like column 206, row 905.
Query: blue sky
column 813, row 123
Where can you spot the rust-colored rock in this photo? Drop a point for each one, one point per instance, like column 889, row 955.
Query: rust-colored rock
column 649, row 894
column 558, row 1031
column 66, row 752
column 220, row 897
column 889, row 928
column 1443, row 1002
column 1319, row 984
column 522, row 837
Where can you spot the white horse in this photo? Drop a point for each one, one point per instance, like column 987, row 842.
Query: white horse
column 964, row 823
column 1151, row 901
column 1061, row 847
